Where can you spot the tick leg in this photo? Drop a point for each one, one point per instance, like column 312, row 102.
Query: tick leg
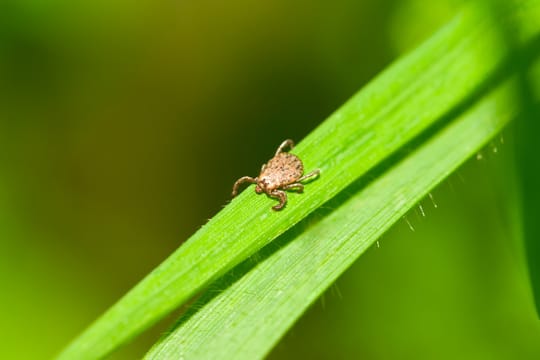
column 240, row 182
column 312, row 174
column 294, row 186
column 284, row 144
column 281, row 196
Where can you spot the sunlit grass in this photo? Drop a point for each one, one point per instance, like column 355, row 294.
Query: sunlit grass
column 245, row 314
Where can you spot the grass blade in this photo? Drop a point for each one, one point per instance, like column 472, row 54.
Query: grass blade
column 250, row 316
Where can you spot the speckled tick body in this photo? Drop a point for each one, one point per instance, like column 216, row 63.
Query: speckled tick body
column 283, row 172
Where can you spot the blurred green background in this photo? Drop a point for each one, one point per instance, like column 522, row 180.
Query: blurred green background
column 124, row 125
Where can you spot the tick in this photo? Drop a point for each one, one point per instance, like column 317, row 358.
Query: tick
column 282, row 172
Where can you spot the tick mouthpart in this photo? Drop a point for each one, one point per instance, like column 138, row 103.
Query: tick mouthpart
column 259, row 189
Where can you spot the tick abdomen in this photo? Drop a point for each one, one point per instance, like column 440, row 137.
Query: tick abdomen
column 283, row 169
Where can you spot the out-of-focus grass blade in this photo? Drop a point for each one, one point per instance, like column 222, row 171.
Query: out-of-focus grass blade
column 527, row 130
column 528, row 166
column 426, row 88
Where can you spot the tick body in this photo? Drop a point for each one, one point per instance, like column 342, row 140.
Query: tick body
column 284, row 171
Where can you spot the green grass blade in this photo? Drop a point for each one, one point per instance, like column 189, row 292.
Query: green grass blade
column 528, row 168
column 246, row 319
column 425, row 88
